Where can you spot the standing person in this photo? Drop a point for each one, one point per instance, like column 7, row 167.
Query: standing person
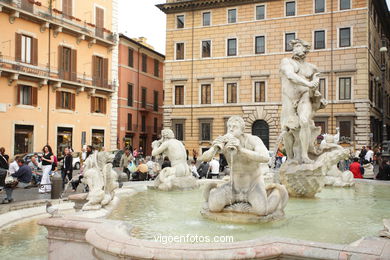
column 67, row 167
column 126, row 158
column 88, row 152
column 23, row 176
column 214, row 168
column 355, row 169
column 3, row 166
column 194, row 171
column 194, row 155
column 135, row 155
column 203, row 169
column 362, row 155
column 369, row 155
column 141, row 152
column 84, row 153
column 47, row 161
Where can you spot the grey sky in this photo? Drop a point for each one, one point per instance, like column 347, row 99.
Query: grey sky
column 142, row 18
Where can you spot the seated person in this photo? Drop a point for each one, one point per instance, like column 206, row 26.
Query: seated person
column 141, row 173
column 153, row 167
column 23, row 176
column 193, row 169
column 34, row 165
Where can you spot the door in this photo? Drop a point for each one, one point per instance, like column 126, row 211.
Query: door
column 64, row 139
column 260, row 128
column 24, row 136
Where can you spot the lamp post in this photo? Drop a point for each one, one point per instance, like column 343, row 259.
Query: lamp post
column 383, row 51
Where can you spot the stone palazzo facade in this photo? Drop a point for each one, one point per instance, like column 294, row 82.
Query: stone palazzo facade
column 58, row 74
column 223, row 57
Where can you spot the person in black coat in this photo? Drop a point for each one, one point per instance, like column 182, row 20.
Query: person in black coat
column 67, row 167
column 3, row 166
column 203, row 169
column 384, row 171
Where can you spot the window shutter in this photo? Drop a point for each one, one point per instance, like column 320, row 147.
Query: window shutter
column 73, row 101
column 60, row 61
column 92, row 104
column 74, row 65
column 94, row 67
column 34, row 51
column 58, row 99
column 104, row 110
column 105, row 72
column 18, row 95
column 18, row 47
column 34, row 97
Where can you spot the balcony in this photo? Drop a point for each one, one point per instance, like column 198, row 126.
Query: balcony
column 14, row 68
column 36, row 12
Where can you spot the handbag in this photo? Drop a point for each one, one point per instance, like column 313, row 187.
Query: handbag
column 10, row 182
column 131, row 167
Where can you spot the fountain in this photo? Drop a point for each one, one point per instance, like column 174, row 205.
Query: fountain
column 129, row 223
column 246, row 192
column 303, row 172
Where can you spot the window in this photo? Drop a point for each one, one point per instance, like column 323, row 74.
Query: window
column 345, row 88
column 143, row 98
column 319, row 6
column 345, row 37
column 143, row 123
column 205, row 94
column 206, row 49
column 180, row 51
column 65, row 100
column 206, row 19
column 97, row 139
column 155, row 101
column 319, row 40
column 179, row 95
column 66, row 61
column 67, row 8
column 231, row 93
column 371, row 91
column 232, row 47
column 144, row 63
column 26, row 49
column 178, row 129
column 288, row 38
column 232, row 15
column 180, row 21
column 260, row 44
column 98, row 105
column 205, row 131
column 290, row 8
column 129, row 122
column 155, row 122
column 260, row 12
column 322, row 87
column 156, row 68
column 345, row 4
column 99, row 22
column 27, row 95
column 131, row 58
column 321, row 124
column 345, row 129
column 100, row 71
column 259, row 91
column 129, row 95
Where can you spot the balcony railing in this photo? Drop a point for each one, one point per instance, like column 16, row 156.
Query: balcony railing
column 38, row 10
column 43, row 71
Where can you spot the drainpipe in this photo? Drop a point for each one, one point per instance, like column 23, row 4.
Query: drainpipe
column 192, row 72
column 138, row 89
column 48, row 84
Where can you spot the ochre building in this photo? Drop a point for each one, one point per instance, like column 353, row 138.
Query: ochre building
column 223, row 57
column 58, row 66
column 140, row 93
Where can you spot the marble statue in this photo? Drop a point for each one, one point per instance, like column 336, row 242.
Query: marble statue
column 303, row 172
column 333, row 175
column 101, row 180
column 178, row 176
column 246, row 191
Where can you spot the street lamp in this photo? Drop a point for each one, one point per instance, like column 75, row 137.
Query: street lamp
column 383, row 51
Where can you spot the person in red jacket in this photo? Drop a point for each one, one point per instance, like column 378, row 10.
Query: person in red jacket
column 355, row 169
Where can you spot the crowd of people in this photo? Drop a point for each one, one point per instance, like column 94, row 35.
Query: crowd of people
column 138, row 167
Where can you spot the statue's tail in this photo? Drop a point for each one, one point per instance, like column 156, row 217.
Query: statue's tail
column 283, row 193
column 207, row 190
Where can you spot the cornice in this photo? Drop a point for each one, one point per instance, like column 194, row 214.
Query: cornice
column 193, row 5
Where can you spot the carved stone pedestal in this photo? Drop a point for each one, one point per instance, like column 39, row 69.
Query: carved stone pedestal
column 302, row 180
